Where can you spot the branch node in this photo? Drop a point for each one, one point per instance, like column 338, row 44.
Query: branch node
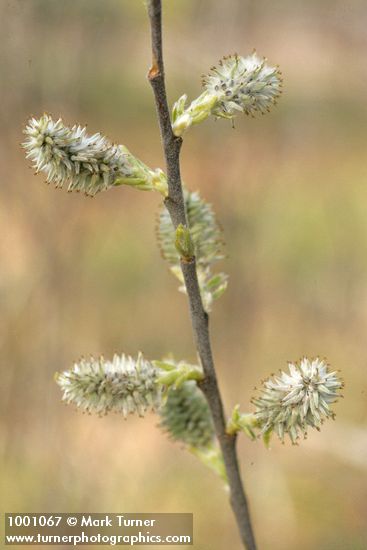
column 154, row 71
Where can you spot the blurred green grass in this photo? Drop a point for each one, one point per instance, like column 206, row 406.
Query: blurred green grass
column 83, row 276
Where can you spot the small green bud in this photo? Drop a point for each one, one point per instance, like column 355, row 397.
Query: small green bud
column 204, row 240
column 184, row 243
column 199, row 110
column 175, row 374
column 240, row 422
column 179, row 107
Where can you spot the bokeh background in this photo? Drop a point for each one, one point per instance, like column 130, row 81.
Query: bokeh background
column 81, row 276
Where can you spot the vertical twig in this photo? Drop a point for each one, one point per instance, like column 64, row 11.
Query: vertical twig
column 199, row 318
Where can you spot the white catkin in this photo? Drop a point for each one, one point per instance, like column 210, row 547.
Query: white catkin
column 243, row 84
column 291, row 402
column 124, row 385
column 81, row 162
column 238, row 85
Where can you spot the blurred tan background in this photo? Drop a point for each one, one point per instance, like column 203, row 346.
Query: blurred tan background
column 81, row 276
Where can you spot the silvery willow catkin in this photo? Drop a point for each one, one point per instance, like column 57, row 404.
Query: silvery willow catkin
column 186, row 416
column 82, row 162
column 208, row 246
column 123, row 385
column 290, row 402
column 238, row 85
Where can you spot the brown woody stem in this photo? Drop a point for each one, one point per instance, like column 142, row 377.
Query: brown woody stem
column 199, row 318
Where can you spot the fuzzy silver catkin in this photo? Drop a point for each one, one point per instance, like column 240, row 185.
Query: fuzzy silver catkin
column 123, row 385
column 186, row 417
column 291, row 402
column 238, row 85
column 243, row 84
column 81, row 162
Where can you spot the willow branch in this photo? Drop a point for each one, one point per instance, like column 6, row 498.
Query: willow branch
column 199, row 318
